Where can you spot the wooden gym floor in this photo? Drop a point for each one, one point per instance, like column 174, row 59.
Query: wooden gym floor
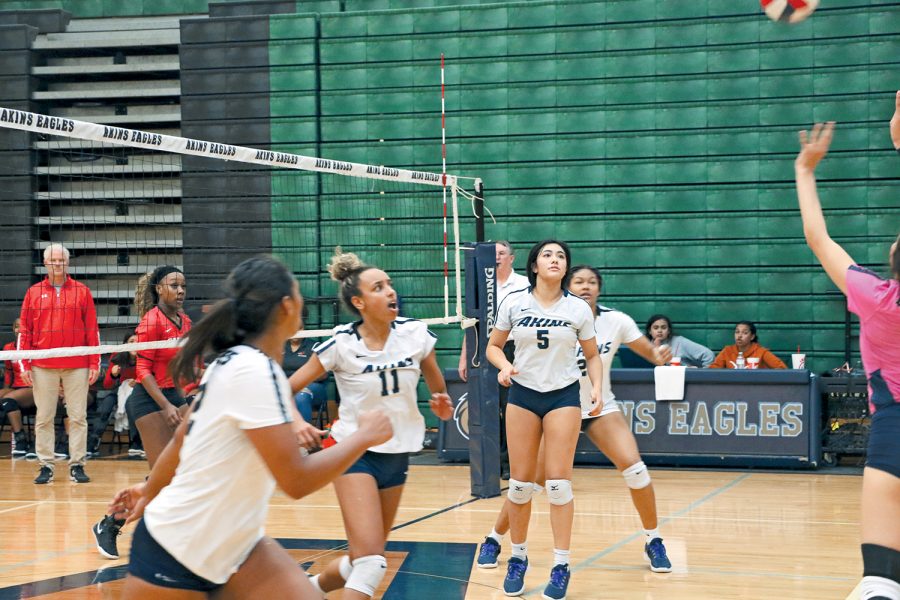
column 730, row 534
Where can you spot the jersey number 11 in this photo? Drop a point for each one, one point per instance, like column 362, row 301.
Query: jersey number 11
column 384, row 382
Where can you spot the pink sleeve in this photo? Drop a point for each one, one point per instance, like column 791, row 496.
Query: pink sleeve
column 866, row 291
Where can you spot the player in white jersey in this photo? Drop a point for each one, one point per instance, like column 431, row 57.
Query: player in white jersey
column 547, row 323
column 204, row 505
column 376, row 363
column 507, row 281
column 608, row 429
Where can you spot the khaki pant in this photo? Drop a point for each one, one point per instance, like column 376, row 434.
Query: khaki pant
column 46, row 396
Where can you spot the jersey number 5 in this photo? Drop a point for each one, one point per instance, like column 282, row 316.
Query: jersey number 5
column 384, row 382
column 543, row 339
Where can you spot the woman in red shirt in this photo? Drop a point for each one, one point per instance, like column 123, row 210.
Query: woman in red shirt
column 15, row 396
column 157, row 405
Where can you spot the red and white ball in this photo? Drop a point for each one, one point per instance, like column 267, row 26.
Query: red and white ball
column 789, row 11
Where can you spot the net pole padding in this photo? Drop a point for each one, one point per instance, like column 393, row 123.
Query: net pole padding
column 170, row 343
column 466, row 322
column 135, row 138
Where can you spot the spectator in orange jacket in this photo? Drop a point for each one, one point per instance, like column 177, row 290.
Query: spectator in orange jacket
column 59, row 312
column 746, row 341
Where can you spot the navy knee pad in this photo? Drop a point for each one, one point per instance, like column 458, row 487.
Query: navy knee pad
column 8, row 405
column 879, row 561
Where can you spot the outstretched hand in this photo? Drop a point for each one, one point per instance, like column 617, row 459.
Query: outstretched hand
column 441, row 405
column 895, row 122
column 814, row 147
column 129, row 503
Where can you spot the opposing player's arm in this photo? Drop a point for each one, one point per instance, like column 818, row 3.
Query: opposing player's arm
column 831, row 255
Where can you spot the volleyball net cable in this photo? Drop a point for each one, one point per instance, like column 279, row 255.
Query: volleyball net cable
column 113, row 196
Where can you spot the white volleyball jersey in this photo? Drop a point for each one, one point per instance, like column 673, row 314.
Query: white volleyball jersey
column 613, row 329
column 545, row 338
column 385, row 380
column 213, row 512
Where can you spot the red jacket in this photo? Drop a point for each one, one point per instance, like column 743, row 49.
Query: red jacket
column 125, row 374
column 154, row 327
column 51, row 320
column 12, row 374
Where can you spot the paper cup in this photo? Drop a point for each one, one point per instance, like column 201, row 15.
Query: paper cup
column 676, row 361
column 798, row 361
column 753, row 363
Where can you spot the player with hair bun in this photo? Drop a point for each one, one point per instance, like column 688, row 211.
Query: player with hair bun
column 237, row 442
column 377, row 362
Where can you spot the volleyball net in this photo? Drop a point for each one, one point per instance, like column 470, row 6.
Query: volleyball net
column 124, row 201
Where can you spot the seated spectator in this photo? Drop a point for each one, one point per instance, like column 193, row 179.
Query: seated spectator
column 296, row 352
column 747, row 342
column 15, row 396
column 119, row 379
column 659, row 331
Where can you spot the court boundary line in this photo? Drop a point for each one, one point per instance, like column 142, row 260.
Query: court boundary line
column 28, row 505
column 443, row 510
column 627, row 540
column 709, row 571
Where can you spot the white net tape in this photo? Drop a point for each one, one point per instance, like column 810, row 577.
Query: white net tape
column 171, row 343
column 72, row 128
column 28, row 121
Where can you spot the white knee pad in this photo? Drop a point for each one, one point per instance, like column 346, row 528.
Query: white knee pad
column 368, row 571
column 520, row 491
column 344, row 567
column 637, row 477
column 559, row 491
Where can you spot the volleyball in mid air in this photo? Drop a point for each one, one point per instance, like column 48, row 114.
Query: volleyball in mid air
column 788, row 11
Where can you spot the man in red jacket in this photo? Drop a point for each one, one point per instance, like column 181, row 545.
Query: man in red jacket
column 59, row 312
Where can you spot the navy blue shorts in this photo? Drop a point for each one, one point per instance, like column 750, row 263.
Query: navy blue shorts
column 151, row 563
column 541, row 403
column 883, row 452
column 388, row 470
column 140, row 404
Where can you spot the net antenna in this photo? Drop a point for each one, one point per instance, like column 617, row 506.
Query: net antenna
column 104, row 167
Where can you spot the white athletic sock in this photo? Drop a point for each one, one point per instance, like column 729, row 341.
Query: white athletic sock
column 652, row 533
column 560, row 557
column 520, row 550
column 314, row 580
column 497, row 537
column 879, row 587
